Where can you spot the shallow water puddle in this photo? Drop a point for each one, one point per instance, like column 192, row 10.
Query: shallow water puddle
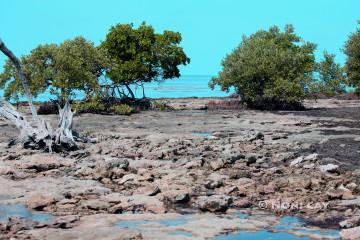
column 181, row 233
column 167, row 223
column 296, row 225
column 18, row 210
column 173, row 222
column 203, row 134
column 3, row 197
column 260, row 235
column 132, row 224
column 291, row 228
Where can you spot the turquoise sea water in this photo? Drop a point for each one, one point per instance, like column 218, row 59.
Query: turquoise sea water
column 185, row 86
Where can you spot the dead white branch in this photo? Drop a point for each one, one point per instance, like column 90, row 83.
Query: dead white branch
column 42, row 136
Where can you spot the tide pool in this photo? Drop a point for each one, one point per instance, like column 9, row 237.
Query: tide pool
column 18, row 210
column 287, row 227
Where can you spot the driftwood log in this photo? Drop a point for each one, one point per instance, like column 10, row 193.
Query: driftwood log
column 41, row 135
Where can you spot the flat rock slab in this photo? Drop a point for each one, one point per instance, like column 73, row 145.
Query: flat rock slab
column 149, row 226
column 42, row 162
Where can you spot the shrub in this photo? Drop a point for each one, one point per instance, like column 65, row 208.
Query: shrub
column 122, row 109
column 90, row 107
column 99, row 107
column 270, row 67
column 330, row 79
column 48, row 108
column 232, row 104
column 161, row 105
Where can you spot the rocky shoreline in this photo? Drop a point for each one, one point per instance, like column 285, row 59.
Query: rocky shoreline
column 157, row 163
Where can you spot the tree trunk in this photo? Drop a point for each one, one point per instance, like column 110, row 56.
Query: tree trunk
column 143, row 90
column 130, row 91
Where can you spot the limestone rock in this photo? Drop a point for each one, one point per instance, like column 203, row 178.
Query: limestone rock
column 104, row 169
column 177, row 196
column 39, row 201
column 329, row 168
column 95, row 204
column 41, row 163
column 351, row 233
column 214, row 203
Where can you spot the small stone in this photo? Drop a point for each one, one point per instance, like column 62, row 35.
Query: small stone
column 116, row 209
column 351, row 186
column 297, row 161
column 156, row 190
column 244, row 181
column 96, row 204
column 216, row 165
column 309, row 166
column 252, row 136
column 333, row 194
column 104, row 168
column 311, row 157
column 39, row 201
column 118, row 173
column 213, row 183
column 40, row 163
column 329, row 168
column 65, row 222
column 177, row 196
column 231, row 158
column 278, row 136
column 242, row 203
column 347, row 195
column 236, row 174
column 251, row 160
column 6, row 170
column 214, row 203
column 344, row 224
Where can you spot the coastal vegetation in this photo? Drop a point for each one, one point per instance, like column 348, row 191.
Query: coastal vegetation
column 42, row 135
column 138, row 56
column 74, row 65
column 270, row 69
column 276, row 69
column 104, row 74
column 269, row 65
column 329, row 78
column 352, row 68
column 189, row 168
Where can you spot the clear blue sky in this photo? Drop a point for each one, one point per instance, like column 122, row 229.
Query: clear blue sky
column 210, row 28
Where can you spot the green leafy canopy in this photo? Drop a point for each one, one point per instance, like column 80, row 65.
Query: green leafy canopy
column 352, row 66
column 73, row 65
column 329, row 77
column 139, row 55
column 269, row 65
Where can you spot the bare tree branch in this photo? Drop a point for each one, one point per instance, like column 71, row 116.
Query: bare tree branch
column 23, row 79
